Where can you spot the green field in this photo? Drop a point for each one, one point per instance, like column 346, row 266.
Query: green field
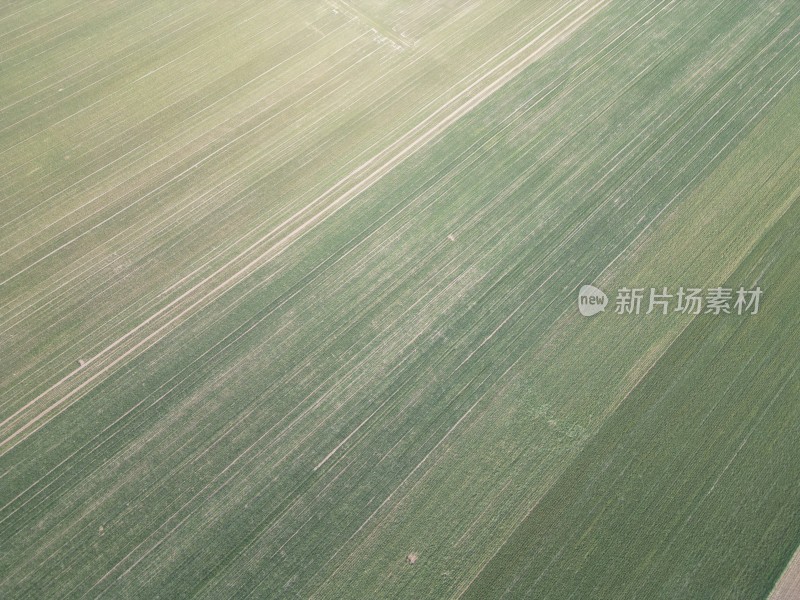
column 633, row 518
column 288, row 294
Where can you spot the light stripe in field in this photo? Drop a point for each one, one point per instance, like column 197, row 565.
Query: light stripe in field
column 14, row 14
column 46, row 24
column 403, row 148
column 352, row 433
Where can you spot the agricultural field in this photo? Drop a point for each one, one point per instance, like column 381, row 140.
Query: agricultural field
column 289, row 299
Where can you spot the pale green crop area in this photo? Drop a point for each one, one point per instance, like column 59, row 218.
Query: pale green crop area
column 288, row 298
